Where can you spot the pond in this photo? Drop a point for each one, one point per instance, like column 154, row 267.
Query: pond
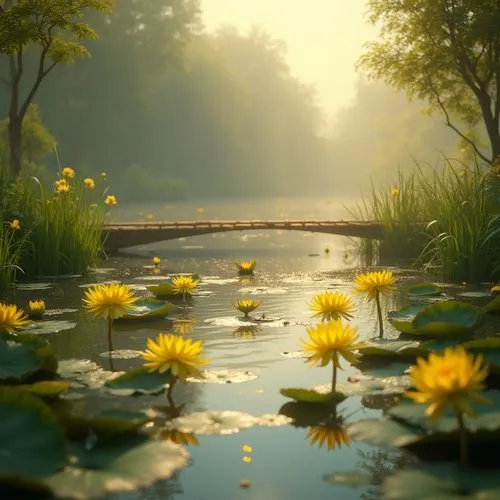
column 278, row 462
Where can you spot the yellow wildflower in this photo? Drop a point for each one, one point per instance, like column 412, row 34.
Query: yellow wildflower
column 374, row 283
column 331, row 305
column 110, row 200
column 12, row 318
column 89, row 183
column 15, row 225
column 36, row 308
column 68, row 172
column 184, row 284
column 109, row 301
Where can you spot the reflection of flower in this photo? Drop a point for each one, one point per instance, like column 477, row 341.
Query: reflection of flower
column 246, row 267
column 333, row 437
column 184, row 284
column 331, row 305
column 453, row 378
column 246, row 331
column 36, row 308
column 178, row 437
column 246, row 306
column 110, row 200
column 12, row 318
column 109, row 301
column 183, row 326
column 179, row 355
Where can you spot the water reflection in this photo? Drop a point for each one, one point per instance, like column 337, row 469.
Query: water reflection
column 247, row 331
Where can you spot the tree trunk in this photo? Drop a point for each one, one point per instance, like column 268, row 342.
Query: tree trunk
column 15, row 146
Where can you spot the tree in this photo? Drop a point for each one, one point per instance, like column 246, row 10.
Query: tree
column 55, row 28
column 446, row 52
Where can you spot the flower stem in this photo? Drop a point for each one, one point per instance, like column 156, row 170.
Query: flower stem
column 173, row 380
column 110, row 335
column 462, row 431
column 334, row 376
column 379, row 313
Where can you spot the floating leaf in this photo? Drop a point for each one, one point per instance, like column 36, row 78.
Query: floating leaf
column 70, row 368
column 447, row 319
column 49, row 389
column 420, row 289
column 18, row 361
column 402, row 320
column 121, row 354
column 474, row 295
column 139, row 381
column 31, row 440
column 306, row 414
column 439, row 345
column 312, row 395
column 148, row 308
column 223, row 377
column 214, row 422
column 125, row 465
column 493, row 306
column 391, row 349
column 442, row 481
column 489, row 347
column 49, row 326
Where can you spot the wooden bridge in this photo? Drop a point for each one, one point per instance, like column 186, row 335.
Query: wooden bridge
column 127, row 234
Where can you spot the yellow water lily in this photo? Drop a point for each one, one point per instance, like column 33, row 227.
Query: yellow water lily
column 15, row 225
column 110, row 301
column 331, row 305
column 330, row 341
column 179, row 355
column 246, row 267
column 110, row 200
column 156, row 261
column 332, row 437
column 68, row 172
column 374, row 284
column 12, row 318
column 36, row 308
column 246, row 306
column 184, row 285
column 89, row 183
column 451, row 379
column 183, row 326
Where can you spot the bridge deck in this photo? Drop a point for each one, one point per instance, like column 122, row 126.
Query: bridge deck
column 125, row 234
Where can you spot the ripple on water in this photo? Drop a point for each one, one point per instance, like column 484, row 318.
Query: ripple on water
column 235, row 322
column 263, row 290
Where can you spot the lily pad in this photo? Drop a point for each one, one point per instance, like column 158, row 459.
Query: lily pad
column 214, row 422
column 49, row 326
column 124, row 465
column 312, row 395
column 70, row 368
column 18, row 360
column 31, row 440
column 487, row 418
column 139, row 381
column 489, row 347
column 148, row 308
column 387, row 348
column 493, row 306
column 402, row 320
column 442, row 481
column 439, row 345
column 34, row 286
column 223, row 377
column 121, row 354
column 423, row 289
column 58, row 312
column 474, row 295
column 447, row 319
column 49, row 389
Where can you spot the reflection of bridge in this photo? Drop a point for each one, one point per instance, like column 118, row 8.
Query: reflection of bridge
column 128, row 234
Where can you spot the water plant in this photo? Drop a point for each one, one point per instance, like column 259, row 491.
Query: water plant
column 109, row 302
column 246, row 267
column 36, row 309
column 12, row 244
column 246, row 306
column 453, row 379
column 331, row 305
column 178, row 355
column 12, row 318
column 373, row 285
column 184, row 285
column 156, row 261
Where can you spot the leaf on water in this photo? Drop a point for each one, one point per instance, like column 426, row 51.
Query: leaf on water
column 402, row 319
column 18, row 360
column 391, row 348
column 315, row 395
column 138, row 381
column 214, row 422
column 224, row 377
column 121, row 354
column 424, row 289
column 49, row 326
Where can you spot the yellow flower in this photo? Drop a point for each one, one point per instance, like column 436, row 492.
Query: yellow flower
column 36, row 308
column 109, row 301
column 89, row 183
column 179, row 437
column 333, row 437
column 15, row 225
column 329, row 340
column 246, row 267
column 184, row 284
column 68, row 172
column 331, row 305
column 246, row 305
column 12, row 318
column 394, row 193
column 62, row 187
column 179, row 355
column 156, row 261
column 183, row 326
column 104, row 175
column 110, row 200
column 452, row 378
column 374, row 283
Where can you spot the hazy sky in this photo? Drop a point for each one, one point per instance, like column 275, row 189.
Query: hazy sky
column 324, row 37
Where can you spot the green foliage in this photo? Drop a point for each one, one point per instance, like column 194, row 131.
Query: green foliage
column 445, row 53
column 11, row 249
column 312, row 396
column 148, row 308
column 139, row 381
column 402, row 320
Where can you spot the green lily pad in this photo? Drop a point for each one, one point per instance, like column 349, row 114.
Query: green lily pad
column 489, row 347
column 139, row 381
column 49, row 389
column 306, row 414
column 395, row 369
column 165, row 288
column 423, row 289
column 223, row 377
column 123, row 465
column 487, row 418
column 474, row 295
column 386, row 348
column 106, row 424
column 493, row 306
column 18, row 360
column 443, row 481
column 148, row 308
column 439, row 345
column 402, row 320
column 447, row 319
column 312, row 395
column 49, row 326
column 31, row 440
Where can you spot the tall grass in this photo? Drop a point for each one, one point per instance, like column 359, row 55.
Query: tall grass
column 11, row 249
